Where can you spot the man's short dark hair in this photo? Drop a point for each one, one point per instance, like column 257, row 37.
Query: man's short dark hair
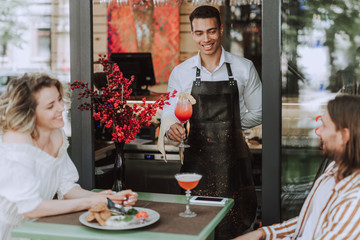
column 205, row 12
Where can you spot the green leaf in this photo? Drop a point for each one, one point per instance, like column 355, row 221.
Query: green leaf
column 128, row 218
column 131, row 211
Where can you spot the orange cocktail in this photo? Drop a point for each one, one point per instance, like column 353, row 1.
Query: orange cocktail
column 188, row 181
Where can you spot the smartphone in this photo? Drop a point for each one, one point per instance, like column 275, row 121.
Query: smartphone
column 209, row 200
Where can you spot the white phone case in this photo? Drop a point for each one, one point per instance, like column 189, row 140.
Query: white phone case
column 208, row 200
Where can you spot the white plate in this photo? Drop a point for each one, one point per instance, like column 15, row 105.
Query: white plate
column 154, row 216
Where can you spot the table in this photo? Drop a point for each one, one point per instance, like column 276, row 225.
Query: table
column 55, row 231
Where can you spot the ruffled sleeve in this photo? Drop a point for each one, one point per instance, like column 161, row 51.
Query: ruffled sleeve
column 19, row 184
column 69, row 175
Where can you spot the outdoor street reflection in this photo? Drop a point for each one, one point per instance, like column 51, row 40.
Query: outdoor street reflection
column 320, row 59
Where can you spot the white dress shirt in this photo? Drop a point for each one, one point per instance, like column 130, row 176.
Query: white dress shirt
column 244, row 72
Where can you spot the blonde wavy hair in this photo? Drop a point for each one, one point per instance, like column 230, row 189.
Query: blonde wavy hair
column 18, row 103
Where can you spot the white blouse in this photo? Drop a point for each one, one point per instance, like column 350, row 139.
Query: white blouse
column 28, row 176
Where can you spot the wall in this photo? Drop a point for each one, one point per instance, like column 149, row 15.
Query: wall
column 187, row 46
column 99, row 29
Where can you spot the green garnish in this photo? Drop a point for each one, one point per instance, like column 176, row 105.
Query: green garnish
column 132, row 211
column 128, row 218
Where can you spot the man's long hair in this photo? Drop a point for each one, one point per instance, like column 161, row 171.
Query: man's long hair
column 345, row 113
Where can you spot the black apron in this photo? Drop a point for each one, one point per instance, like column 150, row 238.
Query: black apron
column 219, row 152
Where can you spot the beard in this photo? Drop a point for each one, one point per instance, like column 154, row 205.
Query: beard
column 328, row 153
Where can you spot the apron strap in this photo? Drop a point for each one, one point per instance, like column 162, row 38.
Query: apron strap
column 231, row 77
column 197, row 80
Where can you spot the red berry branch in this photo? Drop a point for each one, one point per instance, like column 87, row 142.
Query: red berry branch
column 109, row 104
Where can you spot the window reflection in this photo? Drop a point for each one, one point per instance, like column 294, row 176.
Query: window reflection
column 245, row 33
column 34, row 37
column 320, row 58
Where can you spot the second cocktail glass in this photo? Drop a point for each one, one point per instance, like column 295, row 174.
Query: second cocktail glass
column 188, row 181
column 183, row 112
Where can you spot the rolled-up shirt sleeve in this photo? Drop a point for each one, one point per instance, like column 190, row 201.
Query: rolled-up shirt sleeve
column 175, row 83
column 18, row 183
column 252, row 100
column 284, row 230
column 169, row 109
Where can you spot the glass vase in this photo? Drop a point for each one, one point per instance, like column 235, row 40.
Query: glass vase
column 119, row 168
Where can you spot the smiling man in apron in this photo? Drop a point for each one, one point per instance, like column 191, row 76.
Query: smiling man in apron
column 227, row 90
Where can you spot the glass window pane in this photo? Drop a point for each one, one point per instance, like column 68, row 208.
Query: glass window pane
column 244, row 39
column 320, row 59
column 34, row 37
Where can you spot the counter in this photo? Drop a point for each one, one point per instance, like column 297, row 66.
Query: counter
column 104, row 148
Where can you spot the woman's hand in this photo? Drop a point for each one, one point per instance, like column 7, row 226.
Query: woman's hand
column 107, row 192
column 125, row 197
column 79, row 199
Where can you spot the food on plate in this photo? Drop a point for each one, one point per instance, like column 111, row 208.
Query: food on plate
column 142, row 214
column 119, row 221
column 105, row 214
column 131, row 211
column 90, row 217
column 128, row 219
column 99, row 212
column 99, row 219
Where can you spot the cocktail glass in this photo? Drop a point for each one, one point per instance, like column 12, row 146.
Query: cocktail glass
column 183, row 112
column 188, row 181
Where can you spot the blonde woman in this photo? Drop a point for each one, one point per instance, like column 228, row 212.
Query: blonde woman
column 34, row 161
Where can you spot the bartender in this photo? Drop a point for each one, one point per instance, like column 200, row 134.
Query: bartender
column 227, row 90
